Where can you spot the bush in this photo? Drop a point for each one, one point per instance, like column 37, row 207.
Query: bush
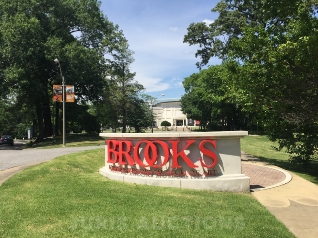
column 165, row 124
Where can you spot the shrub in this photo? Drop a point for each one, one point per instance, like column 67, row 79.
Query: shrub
column 165, row 124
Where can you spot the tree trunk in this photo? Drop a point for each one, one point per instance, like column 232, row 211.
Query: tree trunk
column 48, row 129
column 124, row 121
column 40, row 123
column 56, row 118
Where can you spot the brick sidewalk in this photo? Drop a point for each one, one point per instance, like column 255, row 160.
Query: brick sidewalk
column 262, row 176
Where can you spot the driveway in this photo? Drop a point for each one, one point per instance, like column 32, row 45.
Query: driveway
column 18, row 145
column 13, row 156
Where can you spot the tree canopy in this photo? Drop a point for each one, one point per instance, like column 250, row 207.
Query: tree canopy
column 209, row 99
column 270, row 50
column 123, row 98
column 34, row 33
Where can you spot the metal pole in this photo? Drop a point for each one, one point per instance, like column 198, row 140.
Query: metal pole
column 152, row 117
column 63, row 85
column 63, row 99
column 53, row 122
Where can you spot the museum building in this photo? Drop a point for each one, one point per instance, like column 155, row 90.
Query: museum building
column 170, row 110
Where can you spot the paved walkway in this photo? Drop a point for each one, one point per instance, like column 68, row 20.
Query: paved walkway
column 290, row 198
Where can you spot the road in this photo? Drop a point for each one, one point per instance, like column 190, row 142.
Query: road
column 14, row 156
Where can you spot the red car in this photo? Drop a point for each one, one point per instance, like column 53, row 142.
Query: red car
column 6, row 139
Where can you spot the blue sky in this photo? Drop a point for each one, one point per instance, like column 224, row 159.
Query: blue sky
column 155, row 30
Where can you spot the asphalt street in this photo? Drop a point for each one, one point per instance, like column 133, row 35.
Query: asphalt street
column 13, row 156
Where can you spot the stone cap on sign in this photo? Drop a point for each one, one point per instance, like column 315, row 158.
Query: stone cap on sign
column 170, row 135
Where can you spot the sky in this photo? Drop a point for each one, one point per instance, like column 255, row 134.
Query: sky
column 155, row 30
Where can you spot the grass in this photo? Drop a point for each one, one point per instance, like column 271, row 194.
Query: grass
column 261, row 147
column 71, row 140
column 67, row 197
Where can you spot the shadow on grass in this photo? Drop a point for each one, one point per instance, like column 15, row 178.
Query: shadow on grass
column 310, row 171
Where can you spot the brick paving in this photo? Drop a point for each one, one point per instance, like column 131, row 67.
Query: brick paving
column 262, row 176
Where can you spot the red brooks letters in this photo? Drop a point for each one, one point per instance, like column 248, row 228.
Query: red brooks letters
column 125, row 152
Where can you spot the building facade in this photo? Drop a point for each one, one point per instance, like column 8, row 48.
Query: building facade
column 170, row 110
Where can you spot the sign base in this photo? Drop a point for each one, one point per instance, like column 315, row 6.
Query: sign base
column 228, row 183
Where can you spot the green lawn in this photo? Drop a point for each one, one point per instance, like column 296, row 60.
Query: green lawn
column 71, row 140
column 261, row 147
column 67, row 197
column 82, row 139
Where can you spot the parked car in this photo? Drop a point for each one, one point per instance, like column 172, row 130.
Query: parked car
column 6, row 139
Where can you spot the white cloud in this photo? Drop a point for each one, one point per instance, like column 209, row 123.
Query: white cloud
column 152, row 84
column 173, row 29
column 207, row 21
column 176, row 82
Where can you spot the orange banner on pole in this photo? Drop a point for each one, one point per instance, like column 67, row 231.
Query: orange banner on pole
column 58, row 93
column 70, row 97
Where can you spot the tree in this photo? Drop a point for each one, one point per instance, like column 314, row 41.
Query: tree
column 139, row 114
column 287, row 84
column 215, row 39
column 34, row 33
column 193, row 102
column 10, row 120
column 165, row 124
column 270, row 51
column 123, row 93
column 210, row 100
